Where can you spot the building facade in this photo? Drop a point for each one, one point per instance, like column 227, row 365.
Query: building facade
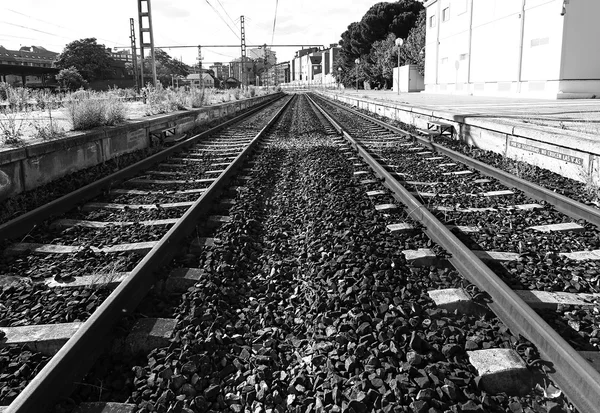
column 315, row 67
column 535, row 48
column 28, row 66
column 201, row 80
column 221, row 71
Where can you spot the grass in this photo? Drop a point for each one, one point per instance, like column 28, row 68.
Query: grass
column 41, row 115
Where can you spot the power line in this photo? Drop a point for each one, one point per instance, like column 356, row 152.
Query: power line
column 35, row 30
column 220, row 4
column 40, row 20
column 53, row 24
column 221, row 17
column 18, row 37
column 274, row 20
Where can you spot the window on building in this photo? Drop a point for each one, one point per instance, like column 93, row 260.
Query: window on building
column 463, row 56
column 446, row 14
column 432, row 21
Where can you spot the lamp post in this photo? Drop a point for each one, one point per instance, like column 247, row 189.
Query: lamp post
column 357, row 61
column 399, row 42
column 338, row 78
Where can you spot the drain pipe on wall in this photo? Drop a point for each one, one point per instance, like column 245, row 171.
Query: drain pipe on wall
column 521, row 33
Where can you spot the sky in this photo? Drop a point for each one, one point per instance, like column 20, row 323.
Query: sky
column 53, row 24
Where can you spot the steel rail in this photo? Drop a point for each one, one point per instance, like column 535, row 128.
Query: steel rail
column 21, row 225
column 77, row 355
column 576, row 377
column 566, row 205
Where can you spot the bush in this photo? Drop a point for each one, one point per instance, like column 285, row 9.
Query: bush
column 88, row 110
column 70, row 79
column 115, row 111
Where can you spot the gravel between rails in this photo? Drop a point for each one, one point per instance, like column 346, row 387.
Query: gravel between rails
column 309, row 305
column 586, row 193
column 23, row 302
column 540, row 265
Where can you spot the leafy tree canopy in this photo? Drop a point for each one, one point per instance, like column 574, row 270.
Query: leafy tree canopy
column 372, row 41
column 89, row 58
column 166, row 67
column 70, row 79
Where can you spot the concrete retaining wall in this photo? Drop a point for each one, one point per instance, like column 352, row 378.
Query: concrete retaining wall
column 26, row 168
column 568, row 153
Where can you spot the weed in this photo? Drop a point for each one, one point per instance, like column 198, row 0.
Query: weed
column 11, row 127
column 115, row 111
column 591, row 185
column 88, row 110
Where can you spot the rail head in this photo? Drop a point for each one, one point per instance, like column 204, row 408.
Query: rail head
column 21, row 225
column 576, row 377
column 570, row 207
column 76, row 356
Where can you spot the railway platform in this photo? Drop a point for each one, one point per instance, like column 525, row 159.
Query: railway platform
column 568, row 115
column 559, row 135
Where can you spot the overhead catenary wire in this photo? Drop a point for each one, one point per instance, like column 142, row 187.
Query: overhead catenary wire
column 227, row 14
column 52, row 24
column 221, row 17
column 274, row 20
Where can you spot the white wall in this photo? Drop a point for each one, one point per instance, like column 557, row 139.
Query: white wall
column 495, row 40
column 454, row 41
column 542, row 40
column 581, row 48
column 431, row 33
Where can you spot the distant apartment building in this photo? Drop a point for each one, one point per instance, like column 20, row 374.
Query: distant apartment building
column 243, row 70
column 259, row 55
column 30, row 65
column 314, row 66
column 282, row 72
column 221, row 71
column 536, row 48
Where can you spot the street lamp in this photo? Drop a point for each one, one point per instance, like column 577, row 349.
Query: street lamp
column 339, row 76
column 357, row 61
column 399, row 42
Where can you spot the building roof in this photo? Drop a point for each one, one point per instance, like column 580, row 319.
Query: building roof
column 196, row 76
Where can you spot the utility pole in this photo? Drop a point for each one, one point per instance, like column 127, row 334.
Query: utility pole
column 266, row 72
column 134, row 53
column 200, row 66
column 243, row 39
column 143, row 44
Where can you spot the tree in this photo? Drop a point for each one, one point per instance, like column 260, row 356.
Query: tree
column 368, row 40
column 89, row 58
column 166, row 67
column 381, row 61
column 413, row 50
column 70, row 79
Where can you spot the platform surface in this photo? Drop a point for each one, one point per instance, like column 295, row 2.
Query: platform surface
column 578, row 115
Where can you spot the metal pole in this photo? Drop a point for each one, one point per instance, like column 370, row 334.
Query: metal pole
column 134, row 53
column 399, row 42
column 398, row 71
column 357, row 61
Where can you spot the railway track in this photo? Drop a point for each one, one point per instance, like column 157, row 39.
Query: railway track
column 496, row 229
column 119, row 239
column 298, row 292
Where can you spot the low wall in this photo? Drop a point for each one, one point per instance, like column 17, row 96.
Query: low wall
column 28, row 167
column 569, row 153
